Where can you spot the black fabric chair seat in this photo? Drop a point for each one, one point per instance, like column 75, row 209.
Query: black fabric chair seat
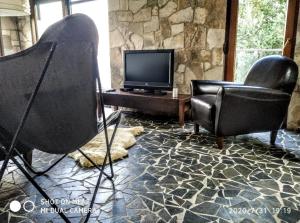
column 204, row 110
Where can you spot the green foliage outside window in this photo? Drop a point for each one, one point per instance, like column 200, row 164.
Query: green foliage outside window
column 261, row 26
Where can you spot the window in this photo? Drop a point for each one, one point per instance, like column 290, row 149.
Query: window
column 97, row 10
column 260, row 32
column 284, row 12
column 48, row 12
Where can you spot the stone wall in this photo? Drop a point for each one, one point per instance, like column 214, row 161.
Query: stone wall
column 16, row 34
column 10, row 37
column 294, row 109
column 25, row 32
column 194, row 28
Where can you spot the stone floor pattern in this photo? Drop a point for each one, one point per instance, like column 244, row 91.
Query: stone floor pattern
column 171, row 175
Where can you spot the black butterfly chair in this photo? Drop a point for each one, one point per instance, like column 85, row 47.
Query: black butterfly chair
column 49, row 99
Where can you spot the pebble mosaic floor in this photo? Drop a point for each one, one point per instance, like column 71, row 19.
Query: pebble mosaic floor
column 170, row 175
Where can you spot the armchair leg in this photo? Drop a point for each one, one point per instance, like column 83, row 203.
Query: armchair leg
column 196, row 128
column 28, row 157
column 273, row 136
column 220, row 142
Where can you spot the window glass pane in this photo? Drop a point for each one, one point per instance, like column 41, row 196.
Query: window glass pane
column 97, row 10
column 260, row 32
column 48, row 13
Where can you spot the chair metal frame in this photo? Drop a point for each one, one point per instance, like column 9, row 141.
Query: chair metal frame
column 9, row 151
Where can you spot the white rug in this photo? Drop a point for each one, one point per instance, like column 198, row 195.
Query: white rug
column 96, row 148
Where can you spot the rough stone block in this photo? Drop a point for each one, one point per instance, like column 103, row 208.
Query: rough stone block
column 188, row 76
column 184, row 15
column 8, row 23
column 215, row 73
column 124, row 5
column 154, row 11
column 149, row 40
column 162, row 2
column 165, row 28
column 168, row 9
column 138, row 41
column 137, row 28
column 182, row 4
column 177, row 28
column 159, row 39
column 7, row 44
column 195, row 36
column 6, row 33
column 200, row 15
column 181, row 68
column 197, row 68
column 116, row 39
column 14, row 35
column 179, row 78
column 112, row 21
column 136, row 5
column 129, row 44
column 176, row 42
column 205, row 55
column 206, row 66
column 217, row 56
column 124, row 16
column 143, row 15
column 152, row 25
column 116, row 57
column 113, row 5
column 184, row 56
column 152, row 3
column 293, row 121
column 215, row 38
column 15, row 43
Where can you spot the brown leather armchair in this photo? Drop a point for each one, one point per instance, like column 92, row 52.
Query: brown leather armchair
column 258, row 105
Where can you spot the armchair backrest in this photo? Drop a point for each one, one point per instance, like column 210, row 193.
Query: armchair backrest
column 276, row 72
column 63, row 116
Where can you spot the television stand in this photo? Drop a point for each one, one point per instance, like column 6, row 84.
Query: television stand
column 150, row 104
column 148, row 92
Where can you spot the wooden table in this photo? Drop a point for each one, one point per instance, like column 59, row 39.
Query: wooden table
column 151, row 104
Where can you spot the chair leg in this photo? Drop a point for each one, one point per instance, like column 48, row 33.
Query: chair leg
column 220, row 142
column 108, row 155
column 110, row 145
column 43, row 193
column 196, row 128
column 273, row 136
column 3, row 167
column 28, row 157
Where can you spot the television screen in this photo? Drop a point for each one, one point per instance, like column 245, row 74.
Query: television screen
column 149, row 69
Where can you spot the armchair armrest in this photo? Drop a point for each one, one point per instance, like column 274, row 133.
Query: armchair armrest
column 254, row 93
column 208, row 86
column 246, row 109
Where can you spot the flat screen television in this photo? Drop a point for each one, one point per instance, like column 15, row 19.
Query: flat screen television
column 149, row 69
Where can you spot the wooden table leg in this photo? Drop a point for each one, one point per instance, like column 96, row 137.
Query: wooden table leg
column 181, row 113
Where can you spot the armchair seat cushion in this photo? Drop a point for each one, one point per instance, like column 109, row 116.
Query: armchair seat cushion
column 204, row 110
